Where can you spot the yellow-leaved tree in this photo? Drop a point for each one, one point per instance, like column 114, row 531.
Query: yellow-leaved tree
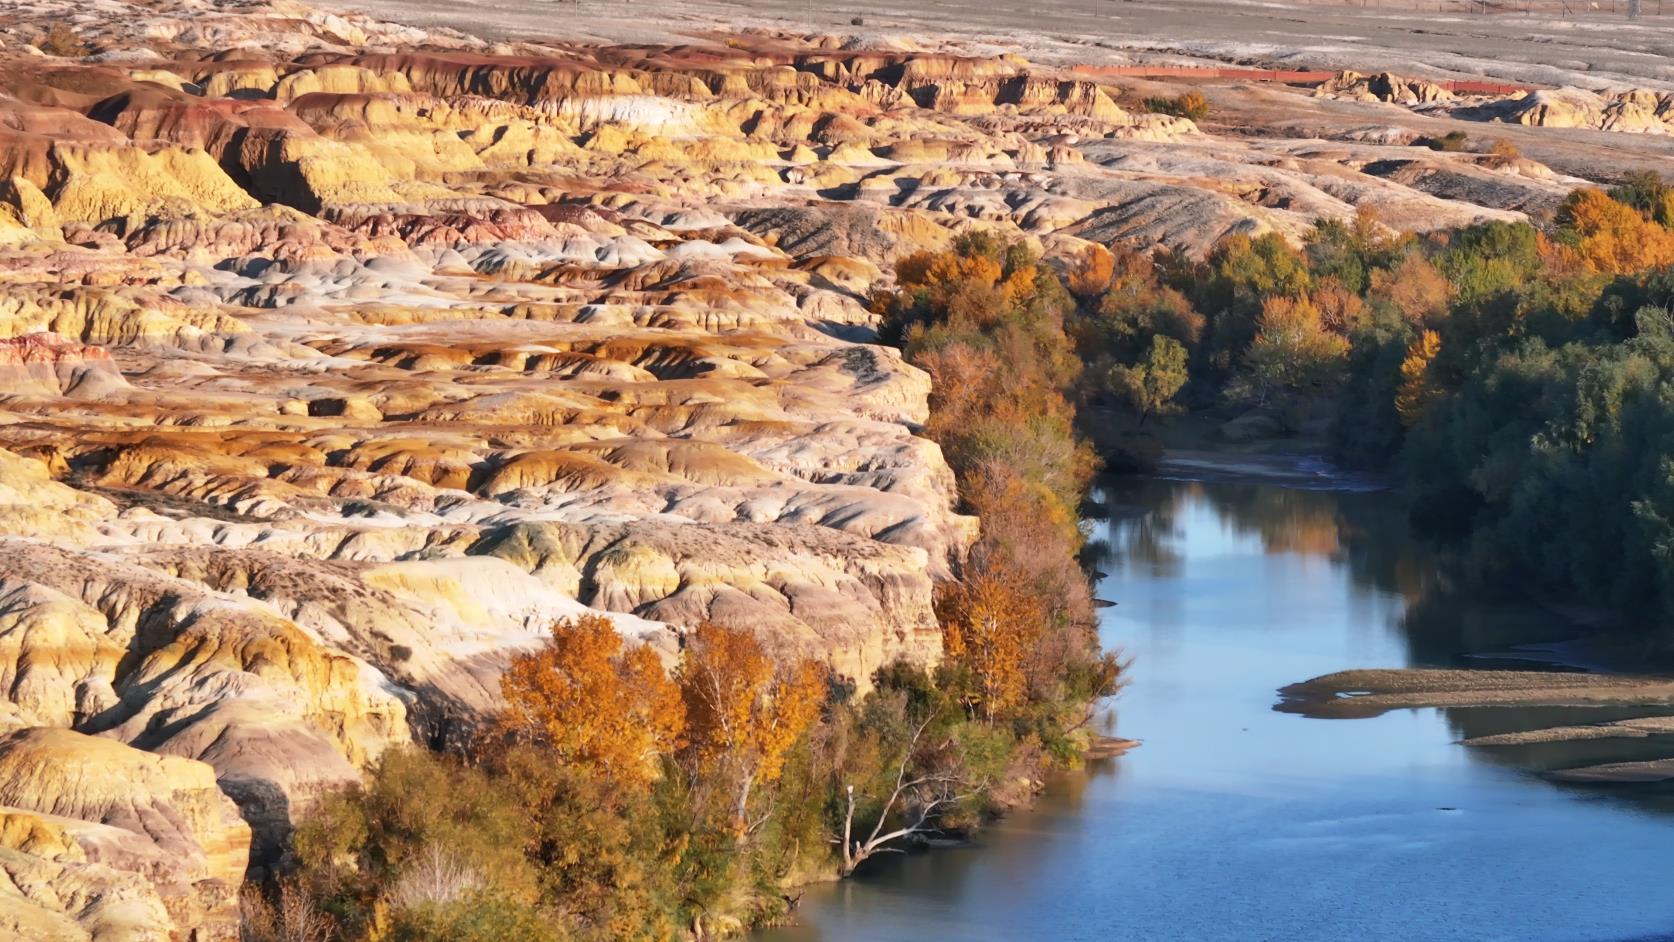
column 1293, row 354
column 745, row 711
column 593, row 702
column 991, row 625
column 1416, row 288
column 1418, row 389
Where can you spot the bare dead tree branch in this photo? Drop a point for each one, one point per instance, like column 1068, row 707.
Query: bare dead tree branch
column 932, row 792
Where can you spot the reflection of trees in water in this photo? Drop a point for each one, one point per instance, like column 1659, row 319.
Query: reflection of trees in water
column 1145, row 529
column 1097, row 555
column 1145, row 514
column 1286, row 520
column 1458, row 614
column 1380, row 550
column 1451, row 612
column 1447, row 611
column 1141, row 528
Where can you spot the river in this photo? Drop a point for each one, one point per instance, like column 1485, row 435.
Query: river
column 1233, row 821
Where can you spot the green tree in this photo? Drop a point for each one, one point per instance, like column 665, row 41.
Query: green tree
column 423, row 831
column 1149, row 387
column 1241, row 275
column 1489, row 266
column 1646, row 191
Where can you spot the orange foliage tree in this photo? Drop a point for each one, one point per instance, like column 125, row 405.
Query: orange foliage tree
column 1091, row 274
column 1292, row 351
column 991, row 625
column 594, row 703
column 1416, row 288
column 1614, row 238
column 950, row 281
column 1340, row 309
column 745, row 711
column 983, row 412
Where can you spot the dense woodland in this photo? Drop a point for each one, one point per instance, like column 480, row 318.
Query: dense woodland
column 1515, row 376
column 1518, row 376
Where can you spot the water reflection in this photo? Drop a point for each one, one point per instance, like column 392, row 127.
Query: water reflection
column 1235, row 822
column 1446, row 619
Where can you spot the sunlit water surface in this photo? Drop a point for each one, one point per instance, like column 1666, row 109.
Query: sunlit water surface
column 1233, row 821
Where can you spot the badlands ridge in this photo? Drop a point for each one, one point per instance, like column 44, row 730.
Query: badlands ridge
column 339, row 358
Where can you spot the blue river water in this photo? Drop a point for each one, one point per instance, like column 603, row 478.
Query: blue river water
column 1236, row 822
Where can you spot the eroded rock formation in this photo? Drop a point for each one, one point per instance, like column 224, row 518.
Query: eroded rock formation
column 1623, row 110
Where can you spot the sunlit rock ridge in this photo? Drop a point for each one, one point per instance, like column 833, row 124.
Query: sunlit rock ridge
column 338, row 359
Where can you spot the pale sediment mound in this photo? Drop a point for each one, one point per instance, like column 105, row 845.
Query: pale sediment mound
column 1638, row 728
column 1653, row 770
column 1631, row 111
column 1364, row 693
column 46, row 364
column 1622, row 110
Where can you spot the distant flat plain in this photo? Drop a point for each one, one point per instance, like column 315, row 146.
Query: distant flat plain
column 1590, row 43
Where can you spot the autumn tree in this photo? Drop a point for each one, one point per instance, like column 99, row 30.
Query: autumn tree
column 1340, row 310
column 1647, row 192
column 1191, row 104
column 1136, row 306
column 1614, row 238
column 1345, row 252
column 1418, row 389
column 1292, row 353
column 991, row 623
column 1415, row 288
column 985, row 320
column 1149, row 386
column 594, row 703
column 1239, row 276
column 745, row 711
column 1091, row 272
